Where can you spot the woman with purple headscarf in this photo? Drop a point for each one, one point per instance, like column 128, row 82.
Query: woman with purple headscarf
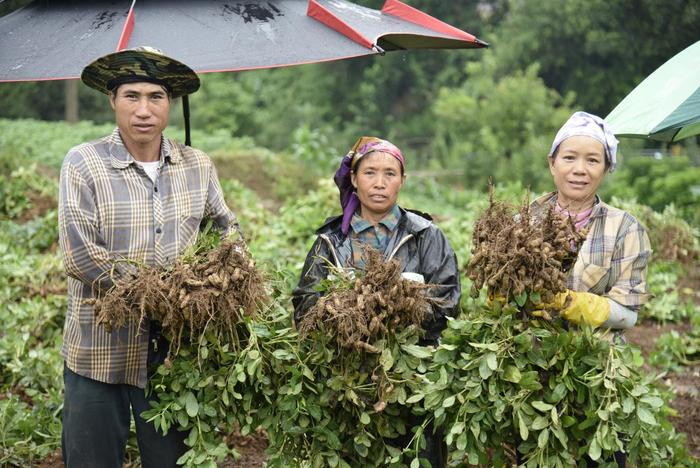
column 369, row 179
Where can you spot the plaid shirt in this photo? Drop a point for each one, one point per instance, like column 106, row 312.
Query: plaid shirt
column 612, row 261
column 109, row 209
column 364, row 234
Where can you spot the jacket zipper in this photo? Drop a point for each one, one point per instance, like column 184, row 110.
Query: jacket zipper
column 393, row 252
column 332, row 249
column 398, row 246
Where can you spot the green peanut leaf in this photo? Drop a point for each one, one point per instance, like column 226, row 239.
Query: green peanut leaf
column 521, row 298
column 645, row 416
column 492, row 361
column 489, row 346
column 386, row 359
column 364, row 418
column 541, row 405
column 512, row 374
column 540, row 423
column 594, row 450
column 191, row 405
column 654, row 402
column 415, row 398
column 524, row 433
column 484, row 370
column 417, row 351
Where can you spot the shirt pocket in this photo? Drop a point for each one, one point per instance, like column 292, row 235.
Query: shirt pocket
column 189, row 217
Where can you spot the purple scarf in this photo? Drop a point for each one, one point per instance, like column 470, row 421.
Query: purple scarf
column 348, row 198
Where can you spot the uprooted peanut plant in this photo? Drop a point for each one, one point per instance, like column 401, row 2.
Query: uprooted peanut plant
column 516, row 253
column 211, row 286
column 344, row 401
column 509, row 387
column 358, row 311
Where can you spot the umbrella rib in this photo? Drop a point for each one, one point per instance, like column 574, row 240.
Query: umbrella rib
column 675, row 134
column 321, row 14
column 415, row 16
column 128, row 28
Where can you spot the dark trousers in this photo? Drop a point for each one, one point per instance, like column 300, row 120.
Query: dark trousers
column 97, row 415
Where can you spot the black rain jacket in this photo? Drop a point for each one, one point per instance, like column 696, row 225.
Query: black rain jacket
column 416, row 242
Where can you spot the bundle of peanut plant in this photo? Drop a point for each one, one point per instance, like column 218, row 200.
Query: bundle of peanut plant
column 213, row 380
column 508, row 385
column 515, row 253
column 342, row 398
column 210, row 287
column 358, row 311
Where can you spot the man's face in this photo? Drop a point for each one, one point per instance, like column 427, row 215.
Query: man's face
column 142, row 111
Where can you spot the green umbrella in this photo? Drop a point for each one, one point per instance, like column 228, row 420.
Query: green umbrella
column 666, row 105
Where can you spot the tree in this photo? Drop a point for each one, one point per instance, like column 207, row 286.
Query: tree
column 498, row 127
column 597, row 49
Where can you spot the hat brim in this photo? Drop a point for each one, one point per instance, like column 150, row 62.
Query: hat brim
column 133, row 64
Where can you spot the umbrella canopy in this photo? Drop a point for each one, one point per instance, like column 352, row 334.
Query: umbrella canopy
column 666, row 105
column 55, row 39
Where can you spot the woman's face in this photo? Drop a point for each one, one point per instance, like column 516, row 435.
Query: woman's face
column 377, row 181
column 578, row 168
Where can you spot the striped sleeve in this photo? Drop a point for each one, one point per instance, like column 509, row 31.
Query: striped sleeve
column 629, row 261
column 216, row 208
column 84, row 254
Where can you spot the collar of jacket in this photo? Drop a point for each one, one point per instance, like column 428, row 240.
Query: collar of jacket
column 412, row 221
column 121, row 158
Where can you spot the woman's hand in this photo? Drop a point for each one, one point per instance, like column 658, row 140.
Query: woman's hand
column 577, row 307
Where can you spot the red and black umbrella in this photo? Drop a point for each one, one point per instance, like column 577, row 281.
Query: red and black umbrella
column 49, row 40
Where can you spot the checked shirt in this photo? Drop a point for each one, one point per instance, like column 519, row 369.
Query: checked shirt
column 612, row 261
column 364, row 234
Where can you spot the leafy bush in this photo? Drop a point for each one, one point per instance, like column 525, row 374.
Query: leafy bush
column 326, row 412
column 672, row 238
column 668, row 304
column 672, row 181
column 555, row 396
column 498, row 126
column 210, row 389
column 674, row 350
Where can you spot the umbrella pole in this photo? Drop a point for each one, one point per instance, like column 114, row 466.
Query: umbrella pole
column 186, row 116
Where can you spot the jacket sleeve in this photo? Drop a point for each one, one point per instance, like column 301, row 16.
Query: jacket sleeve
column 439, row 265
column 315, row 270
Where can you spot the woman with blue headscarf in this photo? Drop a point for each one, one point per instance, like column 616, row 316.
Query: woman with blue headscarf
column 607, row 284
column 369, row 179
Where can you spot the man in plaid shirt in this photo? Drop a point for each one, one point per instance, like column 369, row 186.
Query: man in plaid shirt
column 132, row 195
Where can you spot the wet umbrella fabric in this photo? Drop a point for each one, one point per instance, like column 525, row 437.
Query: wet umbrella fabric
column 56, row 39
column 666, row 105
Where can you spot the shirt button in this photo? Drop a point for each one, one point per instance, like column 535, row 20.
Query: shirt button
column 155, row 189
column 158, row 231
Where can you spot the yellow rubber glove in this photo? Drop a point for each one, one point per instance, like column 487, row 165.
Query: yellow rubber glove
column 585, row 307
column 577, row 307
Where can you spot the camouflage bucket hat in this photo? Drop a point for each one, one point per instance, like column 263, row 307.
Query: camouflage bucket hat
column 145, row 63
